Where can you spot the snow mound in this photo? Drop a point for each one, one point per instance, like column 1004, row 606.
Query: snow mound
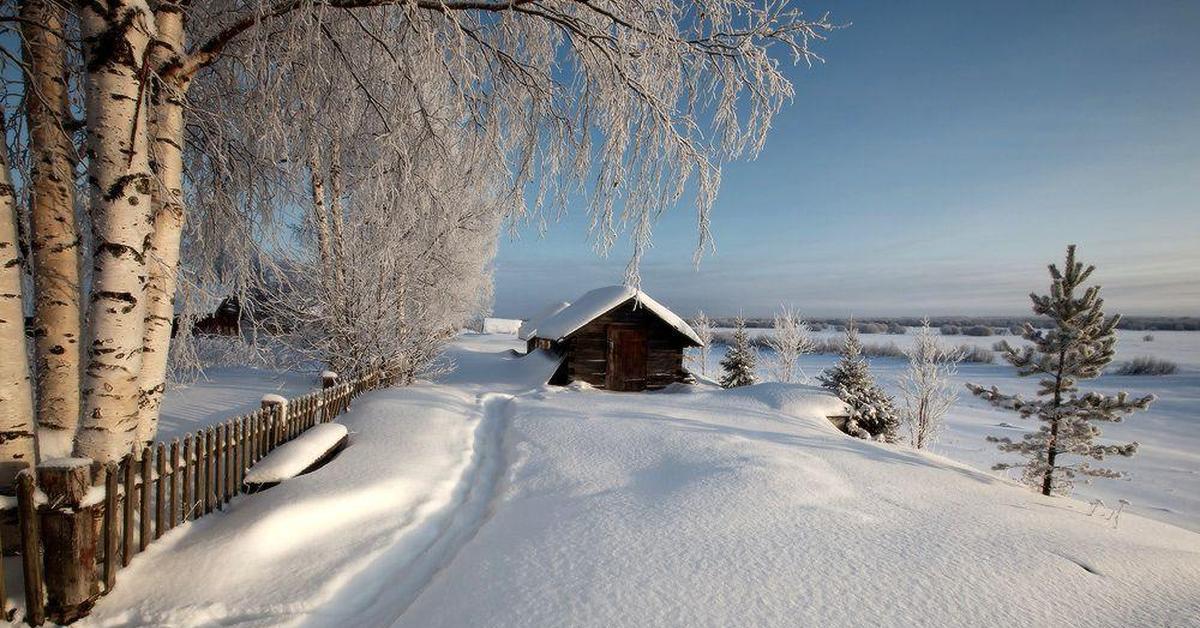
column 273, row 398
column 599, row 301
column 292, row 458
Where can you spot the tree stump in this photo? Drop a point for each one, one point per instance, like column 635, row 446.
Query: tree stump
column 68, row 538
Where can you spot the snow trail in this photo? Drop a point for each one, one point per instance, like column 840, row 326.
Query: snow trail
column 384, row 591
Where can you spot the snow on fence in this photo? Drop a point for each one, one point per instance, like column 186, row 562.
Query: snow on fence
column 80, row 523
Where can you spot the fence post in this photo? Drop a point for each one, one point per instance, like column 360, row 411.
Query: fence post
column 329, row 379
column 278, row 407
column 31, row 555
column 68, row 539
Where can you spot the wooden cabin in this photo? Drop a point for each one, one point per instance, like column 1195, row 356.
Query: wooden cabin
column 616, row 338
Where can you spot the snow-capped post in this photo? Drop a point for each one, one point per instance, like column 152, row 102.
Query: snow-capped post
column 276, row 405
column 329, row 379
column 68, row 538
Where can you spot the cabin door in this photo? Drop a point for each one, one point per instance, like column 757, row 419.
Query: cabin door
column 626, row 359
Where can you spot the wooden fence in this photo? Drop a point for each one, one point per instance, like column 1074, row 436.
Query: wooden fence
column 108, row 514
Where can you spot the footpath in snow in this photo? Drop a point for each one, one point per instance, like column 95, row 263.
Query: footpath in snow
column 491, row 500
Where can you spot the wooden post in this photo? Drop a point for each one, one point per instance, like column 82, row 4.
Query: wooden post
column 218, row 479
column 112, row 488
column 227, row 491
column 278, row 408
column 68, row 539
column 144, row 507
column 329, row 379
column 130, row 506
column 31, row 553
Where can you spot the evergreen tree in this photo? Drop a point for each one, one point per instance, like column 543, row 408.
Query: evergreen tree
column 1078, row 346
column 872, row 414
column 737, row 368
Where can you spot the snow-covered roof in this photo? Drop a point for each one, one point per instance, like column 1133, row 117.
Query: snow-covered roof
column 529, row 326
column 595, row 303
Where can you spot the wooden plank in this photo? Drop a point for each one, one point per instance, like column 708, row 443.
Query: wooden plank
column 174, row 520
column 31, row 551
column 160, row 491
column 112, row 484
column 206, row 448
column 189, row 488
column 227, row 490
column 218, row 461
column 68, row 532
column 130, row 504
column 147, row 487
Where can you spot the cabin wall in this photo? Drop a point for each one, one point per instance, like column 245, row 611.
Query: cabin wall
column 587, row 349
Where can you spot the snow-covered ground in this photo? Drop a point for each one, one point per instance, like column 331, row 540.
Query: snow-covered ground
column 490, row 500
column 1163, row 479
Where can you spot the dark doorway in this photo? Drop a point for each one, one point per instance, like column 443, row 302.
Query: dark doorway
column 626, row 359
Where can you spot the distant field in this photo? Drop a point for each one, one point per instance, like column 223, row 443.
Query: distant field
column 1164, row 477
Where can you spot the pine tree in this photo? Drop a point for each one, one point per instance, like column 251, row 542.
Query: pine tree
column 1078, row 346
column 740, row 360
column 872, row 414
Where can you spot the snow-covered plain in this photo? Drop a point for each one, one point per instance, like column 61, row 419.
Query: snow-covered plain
column 1163, row 479
column 488, row 499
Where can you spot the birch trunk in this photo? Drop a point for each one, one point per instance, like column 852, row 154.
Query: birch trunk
column 18, row 448
column 162, row 263
column 116, row 34
column 54, row 237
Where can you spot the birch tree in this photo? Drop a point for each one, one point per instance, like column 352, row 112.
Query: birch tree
column 115, row 37
column 17, row 443
column 638, row 102
column 925, row 387
column 703, row 326
column 54, row 237
column 789, row 343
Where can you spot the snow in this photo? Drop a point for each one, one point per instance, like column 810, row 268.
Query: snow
column 273, row 398
column 501, row 325
column 328, row 374
column 1163, row 477
column 599, row 301
column 293, row 457
column 530, row 325
column 223, row 393
column 488, row 498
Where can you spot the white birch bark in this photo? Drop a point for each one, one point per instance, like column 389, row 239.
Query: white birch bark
column 162, row 262
column 116, row 34
column 18, row 448
column 54, row 234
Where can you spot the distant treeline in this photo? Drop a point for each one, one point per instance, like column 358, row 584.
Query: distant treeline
column 833, row 346
column 973, row 325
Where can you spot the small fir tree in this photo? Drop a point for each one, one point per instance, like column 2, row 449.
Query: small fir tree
column 872, row 414
column 737, row 368
column 1078, row 346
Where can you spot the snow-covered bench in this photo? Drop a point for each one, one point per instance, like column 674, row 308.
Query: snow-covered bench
column 308, row 451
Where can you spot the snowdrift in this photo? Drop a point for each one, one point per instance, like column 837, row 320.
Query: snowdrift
column 489, row 499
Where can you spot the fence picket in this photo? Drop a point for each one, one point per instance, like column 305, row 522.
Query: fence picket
column 174, row 520
column 112, row 483
column 206, row 447
column 147, row 486
column 130, row 505
column 160, row 491
column 188, row 481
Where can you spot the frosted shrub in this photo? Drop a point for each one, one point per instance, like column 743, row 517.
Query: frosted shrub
column 1147, row 365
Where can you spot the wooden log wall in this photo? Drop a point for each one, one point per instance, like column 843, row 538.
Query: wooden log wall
column 587, row 348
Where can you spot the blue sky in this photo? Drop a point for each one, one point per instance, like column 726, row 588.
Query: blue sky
column 939, row 159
